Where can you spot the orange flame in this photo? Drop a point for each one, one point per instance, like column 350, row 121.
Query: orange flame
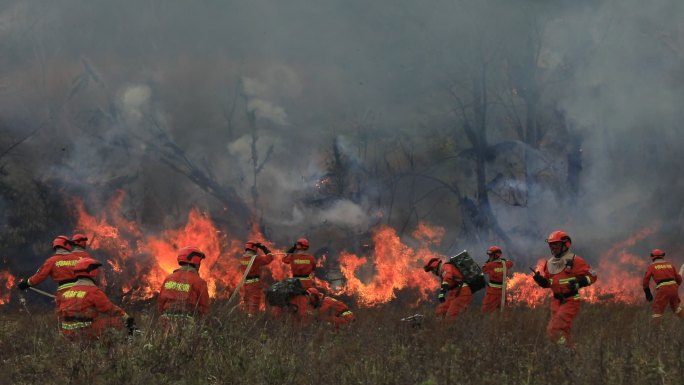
column 6, row 284
column 395, row 266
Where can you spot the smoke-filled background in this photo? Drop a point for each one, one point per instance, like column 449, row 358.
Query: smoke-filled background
column 498, row 121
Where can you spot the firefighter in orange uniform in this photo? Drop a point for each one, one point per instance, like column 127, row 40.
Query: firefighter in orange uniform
column 667, row 281
column 301, row 265
column 84, row 311
column 184, row 294
column 253, row 289
column 59, row 267
column 564, row 273
column 454, row 294
column 494, row 267
column 79, row 243
column 314, row 305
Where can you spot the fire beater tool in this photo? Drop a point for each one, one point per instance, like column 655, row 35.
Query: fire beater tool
column 503, row 285
column 242, row 281
column 45, row 293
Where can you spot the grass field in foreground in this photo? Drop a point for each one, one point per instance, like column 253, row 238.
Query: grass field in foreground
column 616, row 344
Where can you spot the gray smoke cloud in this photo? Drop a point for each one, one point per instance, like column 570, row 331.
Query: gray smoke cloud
column 375, row 84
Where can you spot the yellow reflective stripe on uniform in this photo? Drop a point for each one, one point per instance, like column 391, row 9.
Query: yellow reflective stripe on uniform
column 74, row 294
column 301, row 261
column 344, row 313
column 252, row 280
column 588, row 279
column 303, row 278
column 244, row 263
column 656, row 315
column 66, row 286
column 660, row 267
column 171, row 285
column 566, row 280
column 66, row 263
column 666, row 283
column 494, row 285
column 498, row 269
column 75, row 325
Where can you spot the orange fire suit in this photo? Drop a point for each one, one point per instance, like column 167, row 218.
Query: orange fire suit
column 569, row 269
column 667, row 281
column 331, row 310
column 183, row 295
column 85, row 312
column 302, row 267
column 59, row 267
column 492, row 298
column 80, row 252
column 253, row 289
column 458, row 294
column 335, row 312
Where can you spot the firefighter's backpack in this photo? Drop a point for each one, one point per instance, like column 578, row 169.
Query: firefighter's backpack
column 472, row 272
column 280, row 292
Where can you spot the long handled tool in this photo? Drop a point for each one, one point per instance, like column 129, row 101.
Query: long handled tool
column 45, row 293
column 242, row 281
column 503, row 285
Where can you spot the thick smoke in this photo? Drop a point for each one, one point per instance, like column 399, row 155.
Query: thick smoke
column 352, row 114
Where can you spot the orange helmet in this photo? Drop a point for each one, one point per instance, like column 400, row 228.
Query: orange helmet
column 559, row 236
column 191, row 255
column 251, row 246
column 494, row 250
column 657, row 253
column 61, row 241
column 79, row 240
column 433, row 263
column 315, row 296
column 86, row 267
column 302, row 244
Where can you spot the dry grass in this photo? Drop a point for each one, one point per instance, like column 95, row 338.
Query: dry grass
column 616, row 345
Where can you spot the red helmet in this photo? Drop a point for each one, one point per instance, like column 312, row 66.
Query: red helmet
column 79, row 240
column 559, row 236
column 61, row 241
column 86, row 267
column 302, row 244
column 191, row 255
column 315, row 296
column 433, row 263
column 657, row 253
column 494, row 250
column 251, row 246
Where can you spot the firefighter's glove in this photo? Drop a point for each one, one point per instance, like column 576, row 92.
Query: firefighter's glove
column 649, row 296
column 130, row 323
column 292, row 249
column 264, row 248
column 573, row 286
column 23, row 285
column 541, row 281
column 442, row 295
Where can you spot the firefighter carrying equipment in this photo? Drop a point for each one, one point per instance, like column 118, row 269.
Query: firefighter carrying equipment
column 59, row 267
column 280, row 293
column 253, row 290
column 471, row 271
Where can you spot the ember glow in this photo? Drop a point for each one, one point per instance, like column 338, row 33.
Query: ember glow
column 392, row 266
column 7, row 281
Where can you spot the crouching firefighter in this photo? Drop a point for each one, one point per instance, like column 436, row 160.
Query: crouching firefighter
column 667, row 281
column 84, row 311
column 184, row 294
column 564, row 273
column 328, row 309
column 454, row 294
column 302, row 265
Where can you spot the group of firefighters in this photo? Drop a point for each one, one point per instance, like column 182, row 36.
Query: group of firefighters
column 84, row 311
